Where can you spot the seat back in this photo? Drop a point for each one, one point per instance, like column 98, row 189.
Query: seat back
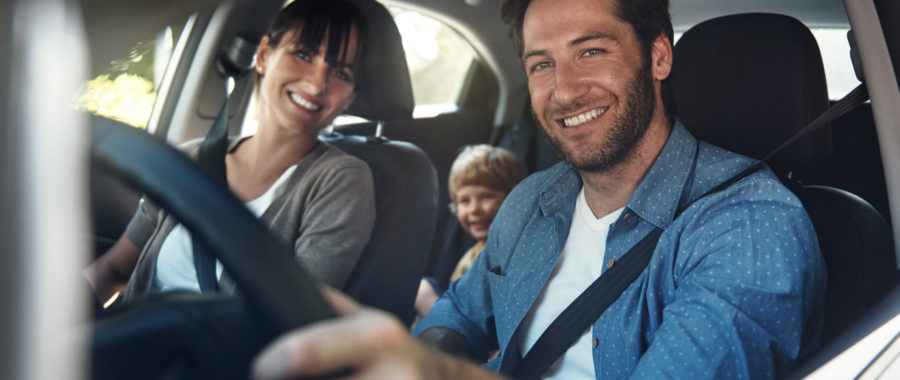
column 747, row 83
column 441, row 138
column 406, row 184
column 388, row 272
column 386, row 92
column 857, row 246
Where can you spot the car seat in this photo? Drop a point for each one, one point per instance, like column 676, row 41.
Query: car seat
column 747, row 83
column 387, row 104
column 406, row 183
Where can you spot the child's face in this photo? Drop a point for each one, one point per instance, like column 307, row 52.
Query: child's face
column 476, row 207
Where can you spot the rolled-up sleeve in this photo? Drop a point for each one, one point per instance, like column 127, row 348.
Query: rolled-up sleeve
column 143, row 223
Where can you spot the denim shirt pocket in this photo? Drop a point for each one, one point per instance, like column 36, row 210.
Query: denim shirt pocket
column 498, row 287
column 502, row 298
column 497, row 280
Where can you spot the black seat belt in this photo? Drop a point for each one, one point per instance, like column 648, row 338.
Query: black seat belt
column 590, row 304
column 235, row 61
column 211, row 159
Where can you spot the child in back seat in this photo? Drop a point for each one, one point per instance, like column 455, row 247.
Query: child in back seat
column 480, row 178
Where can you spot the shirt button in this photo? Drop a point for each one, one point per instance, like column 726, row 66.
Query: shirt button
column 610, row 263
column 595, row 343
column 625, row 217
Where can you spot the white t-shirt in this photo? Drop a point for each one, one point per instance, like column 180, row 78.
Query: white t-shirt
column 579, row 264
column 175, row 264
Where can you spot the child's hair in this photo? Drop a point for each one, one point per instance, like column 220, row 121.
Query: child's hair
column 487, row 166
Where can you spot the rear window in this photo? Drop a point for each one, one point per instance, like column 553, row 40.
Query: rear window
column 439, row 60
column 838, row 66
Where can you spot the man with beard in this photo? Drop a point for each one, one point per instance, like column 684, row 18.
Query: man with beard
column 734, row 285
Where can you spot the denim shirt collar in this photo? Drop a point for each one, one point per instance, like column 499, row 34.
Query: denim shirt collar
column 556, row 196
column 659, row 194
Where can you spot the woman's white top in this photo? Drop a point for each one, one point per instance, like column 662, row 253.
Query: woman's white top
column 579, row 264
column 175, row 264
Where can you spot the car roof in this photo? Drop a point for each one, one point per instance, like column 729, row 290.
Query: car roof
column 479, row 22
column 685, row 13
column 813, row 13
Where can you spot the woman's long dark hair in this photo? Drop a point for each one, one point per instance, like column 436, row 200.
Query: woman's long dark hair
column 324, row 20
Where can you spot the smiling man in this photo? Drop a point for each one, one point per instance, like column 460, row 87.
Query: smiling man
column 734, row 286
column 597, row 73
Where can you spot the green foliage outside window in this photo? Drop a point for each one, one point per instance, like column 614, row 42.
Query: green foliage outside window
column 127, row 92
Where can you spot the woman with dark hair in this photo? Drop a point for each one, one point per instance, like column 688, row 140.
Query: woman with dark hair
column 312, row 195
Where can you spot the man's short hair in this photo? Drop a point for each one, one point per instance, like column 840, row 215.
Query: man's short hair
column 484, row 165
column 648, row 18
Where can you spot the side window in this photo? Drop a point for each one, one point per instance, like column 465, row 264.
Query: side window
column 835, row 50
column 439, row 61
column 127, row 73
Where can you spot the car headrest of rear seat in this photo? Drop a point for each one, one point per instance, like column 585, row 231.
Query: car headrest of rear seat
column 748, row 82
column 387, row 91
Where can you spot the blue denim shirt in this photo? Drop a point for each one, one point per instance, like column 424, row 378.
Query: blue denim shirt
column 735, row 285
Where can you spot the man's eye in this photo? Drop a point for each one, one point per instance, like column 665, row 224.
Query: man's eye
column 594, row 51
column 540, row 66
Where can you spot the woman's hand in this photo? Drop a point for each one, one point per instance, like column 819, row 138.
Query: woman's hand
column 109, row 273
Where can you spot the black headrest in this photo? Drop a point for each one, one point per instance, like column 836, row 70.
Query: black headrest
column 748, row 82
column 387, row 92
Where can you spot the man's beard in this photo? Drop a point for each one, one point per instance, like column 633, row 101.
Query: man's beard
column 627, row 129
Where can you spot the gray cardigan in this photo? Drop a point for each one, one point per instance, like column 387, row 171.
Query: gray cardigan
column 327, row 211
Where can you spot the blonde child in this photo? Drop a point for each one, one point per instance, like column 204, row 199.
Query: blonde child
column 480, row 178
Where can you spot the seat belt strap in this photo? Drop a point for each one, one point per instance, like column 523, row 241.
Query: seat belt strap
column 211, row 159
column 855, row 97
column 571, row 323
column 235, row 61
column 590, row 304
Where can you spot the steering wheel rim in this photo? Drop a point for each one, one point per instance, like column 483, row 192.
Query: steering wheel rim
column 274, row 288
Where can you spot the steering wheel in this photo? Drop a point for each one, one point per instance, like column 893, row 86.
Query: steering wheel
column 189, row 335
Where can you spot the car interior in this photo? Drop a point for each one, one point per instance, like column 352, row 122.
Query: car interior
column 746, row 76
column 861, row 265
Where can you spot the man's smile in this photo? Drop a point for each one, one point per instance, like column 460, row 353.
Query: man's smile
column 584, row 117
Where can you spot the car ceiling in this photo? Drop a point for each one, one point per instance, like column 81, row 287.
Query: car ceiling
column 112, row 27
column 814, row 13
column 477, row 20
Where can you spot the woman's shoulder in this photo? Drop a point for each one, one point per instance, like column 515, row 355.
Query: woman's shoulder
column 333, row 168
column 326, row 164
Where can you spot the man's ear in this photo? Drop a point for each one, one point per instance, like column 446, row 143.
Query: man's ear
column 661, row 56
column 262, row 54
